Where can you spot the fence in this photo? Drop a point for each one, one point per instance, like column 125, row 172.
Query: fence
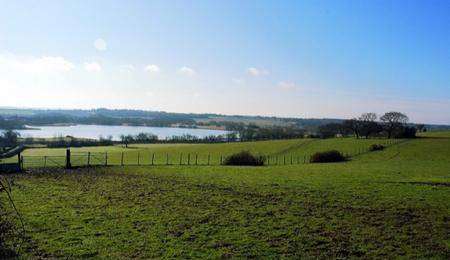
column 149, row 158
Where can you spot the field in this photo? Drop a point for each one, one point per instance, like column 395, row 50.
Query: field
column 381, row 204
column 278, row 152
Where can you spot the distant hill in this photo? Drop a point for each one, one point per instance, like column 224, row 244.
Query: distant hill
column 16, row 118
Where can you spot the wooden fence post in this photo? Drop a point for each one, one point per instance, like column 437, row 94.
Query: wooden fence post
column 19, row 162
column 153, row 158
column 139, row 158
column 209, row 158
column 68, row 165
column 45, row 161
column 181, row 158
column 196, row 159
column 89, row 159
column 121, row 159
column 189, row 159
column 221, row 160
column 106, row 158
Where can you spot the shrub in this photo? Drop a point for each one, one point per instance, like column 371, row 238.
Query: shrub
column 376, row 147
column 244, row 158
column 328, row 156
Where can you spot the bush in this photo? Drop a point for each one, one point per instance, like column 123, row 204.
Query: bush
column 244, row 158
column 328, row 156
column 376, row 147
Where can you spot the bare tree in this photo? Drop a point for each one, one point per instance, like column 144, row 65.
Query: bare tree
column 368, row 117
column 368, row 124
column 392, row 121
column 353, row 125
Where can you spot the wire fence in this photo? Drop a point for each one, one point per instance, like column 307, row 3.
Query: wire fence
column 149, row 158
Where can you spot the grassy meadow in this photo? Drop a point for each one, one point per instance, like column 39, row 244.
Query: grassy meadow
column 278, row 151
column 384, row 204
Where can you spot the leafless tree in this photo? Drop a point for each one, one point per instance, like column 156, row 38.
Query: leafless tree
column 392, row 121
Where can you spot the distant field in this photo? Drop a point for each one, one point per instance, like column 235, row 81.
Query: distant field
column 385, row 204
column 281, row 151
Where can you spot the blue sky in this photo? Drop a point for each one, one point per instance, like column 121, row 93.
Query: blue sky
column 282, row 58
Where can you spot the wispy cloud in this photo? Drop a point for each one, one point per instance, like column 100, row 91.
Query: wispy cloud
column 100, row 44
column 286, row 85
column 186, row 71
column 152, row 68
column 92, row 66
column 36, row 65
column 126, row 68
column 237, row 81
column 255, row 72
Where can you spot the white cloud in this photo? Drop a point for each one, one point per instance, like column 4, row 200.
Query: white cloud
column 255, row 72
column 92, row 66
column 187, row 71
column 152, row 68
column 237, row 81
column 286, row 85
column 36, row 65
column 100, row 44
column 127, row 68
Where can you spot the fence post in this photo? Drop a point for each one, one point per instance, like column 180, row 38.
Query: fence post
column 196, row 159
column 209, row 158
column 221, row 160
column 181, row 158
column 291, row 159
column 153, row 158
column 89, row 159
column 45, row 160
column 68, row 165
column 106, row 158
column 284, row 159
column 139, row 158
column 21, row 162
column 189, row 159
column 19, row 157
column 268, row 159
column 121, row 159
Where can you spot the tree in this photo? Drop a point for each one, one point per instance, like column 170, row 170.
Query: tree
column 393, row 121
column 9, row 139
column 354, row 125
column 330, row 130
column 421, row 128
column 368, row 124
column 126, row 139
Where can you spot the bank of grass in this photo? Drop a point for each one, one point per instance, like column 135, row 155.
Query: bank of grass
column 383, row 204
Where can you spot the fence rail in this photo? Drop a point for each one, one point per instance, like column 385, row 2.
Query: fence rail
column 149, row 158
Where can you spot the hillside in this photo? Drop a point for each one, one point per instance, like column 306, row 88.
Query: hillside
column 378, row 205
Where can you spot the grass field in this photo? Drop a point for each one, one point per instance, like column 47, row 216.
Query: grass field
column 382, row 204
column 297, row 150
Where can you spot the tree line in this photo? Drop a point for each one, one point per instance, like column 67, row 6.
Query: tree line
column 390, row 125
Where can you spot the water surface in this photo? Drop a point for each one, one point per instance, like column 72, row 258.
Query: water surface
column 95, row 131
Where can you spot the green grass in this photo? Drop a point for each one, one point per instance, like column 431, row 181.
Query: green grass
column 278, row 152
column 382, row 204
